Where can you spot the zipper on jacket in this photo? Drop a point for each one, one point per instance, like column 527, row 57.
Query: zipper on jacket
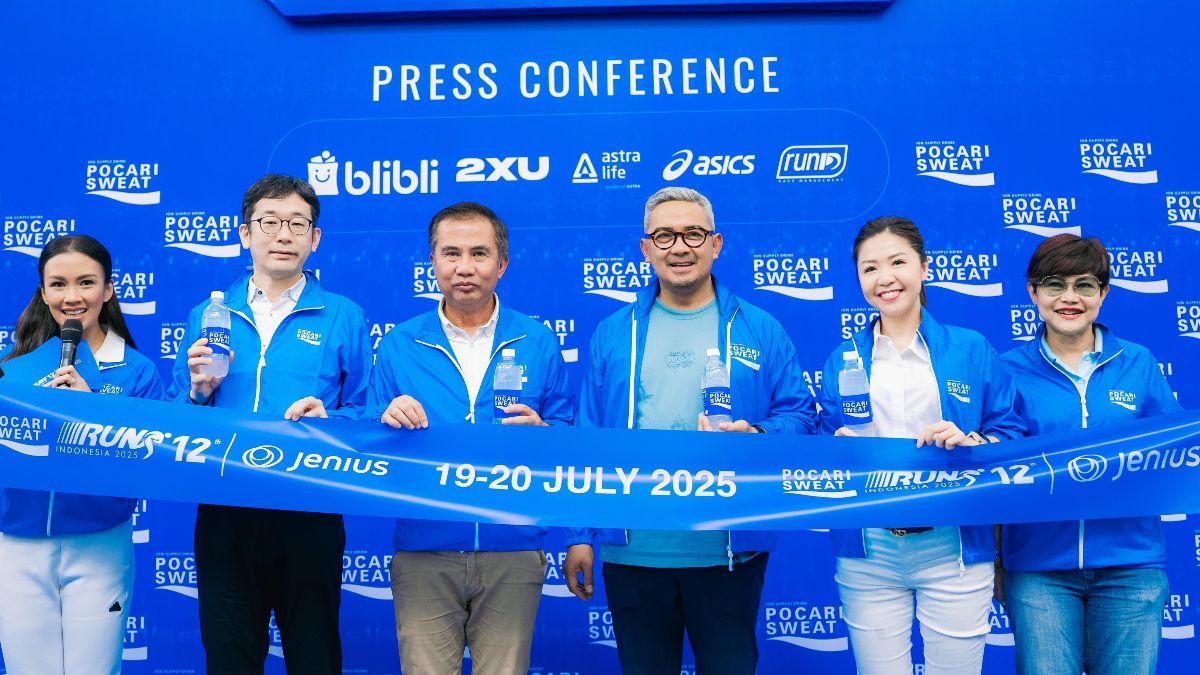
column 729, row 546
column 632, row 367
column 1080, row 544
column 50, row 513
column 262, row 354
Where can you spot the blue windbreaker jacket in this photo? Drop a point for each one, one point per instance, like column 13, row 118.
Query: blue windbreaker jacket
column 35, row 513
column 766, row 383
column 415, row 358
column 975, row 391
column 1126, row 384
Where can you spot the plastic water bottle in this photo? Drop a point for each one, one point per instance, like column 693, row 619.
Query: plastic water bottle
column 214, row 326
column 856, row 396
column 715, row 397
column 506, row 384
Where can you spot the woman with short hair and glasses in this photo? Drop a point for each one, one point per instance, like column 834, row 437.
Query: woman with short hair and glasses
column 1083, row 594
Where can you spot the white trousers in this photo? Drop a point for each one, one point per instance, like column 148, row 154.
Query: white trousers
column 64, row 601
column 952, row 603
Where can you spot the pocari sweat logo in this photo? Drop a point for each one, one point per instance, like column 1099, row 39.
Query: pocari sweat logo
column 612, row 168
column 1187, row 318
column 1025, row 321
column 795, row 276
column 808, row 625
column 811, row 163
column 563, row 329
column 28, row 234
column 685, row 161
column 746, row 355
column 212, row 236
column 600, row 629
column 26, row 435
column 1037, row 214
column 1123, row 399
column 1001, row 634
column 368, row 574
column 1183, row 209
column 823, row 483
column 123, row 181
column 853, row 319
column 1118, row 160
column 1179, row 621
column 6, row 338
column 966, row 272
column 176, row 572
column 616, row 278
column 954, row 162
column 425, row 282
column 170, row 334
column 378, row 177
column 959, row 391
column 554, row 585
column 134, row 291
column 135, row 646
column 1137, row 271
column 141, row 528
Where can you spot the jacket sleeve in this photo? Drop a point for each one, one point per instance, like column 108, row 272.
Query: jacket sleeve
column 792, row 409
column 558, row 404
column 383, row 386
column 829, row 401
column 579, row 535
column 356, row 365
column 179, row 389
column 1159, row 398
column 1000, row 417
column 149, row 385
column 589, row 410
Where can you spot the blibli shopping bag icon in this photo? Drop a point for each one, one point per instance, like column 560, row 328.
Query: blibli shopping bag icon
column 322, row 173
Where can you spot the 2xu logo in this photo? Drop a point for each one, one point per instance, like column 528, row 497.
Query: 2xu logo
column 1087, row 468
column 471, row 169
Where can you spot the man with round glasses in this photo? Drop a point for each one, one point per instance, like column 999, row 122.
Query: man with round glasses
column 297, row 351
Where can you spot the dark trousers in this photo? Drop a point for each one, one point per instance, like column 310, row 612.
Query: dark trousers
column 252, row 561
column 718, row 608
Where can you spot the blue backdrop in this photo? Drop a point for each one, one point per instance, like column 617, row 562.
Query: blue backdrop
column 991, row 125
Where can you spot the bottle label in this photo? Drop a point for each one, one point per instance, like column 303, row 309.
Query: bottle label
column 717, row 401
column 218, row 339
column 856, row 409
column 505, row 398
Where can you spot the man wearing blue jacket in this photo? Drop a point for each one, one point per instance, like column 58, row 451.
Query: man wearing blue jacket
column 462, row 584
column 298, row 351
column 662, row 583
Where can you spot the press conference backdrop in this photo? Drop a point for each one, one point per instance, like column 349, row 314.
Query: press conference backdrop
column 991, row 125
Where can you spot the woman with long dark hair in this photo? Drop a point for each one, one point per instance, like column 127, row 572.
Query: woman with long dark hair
column 66, row 560
column 942, row 386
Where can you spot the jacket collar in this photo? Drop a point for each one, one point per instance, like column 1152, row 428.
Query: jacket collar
column 430, row 328
column 1109, row 344
column 932, row 332
column 312, row 297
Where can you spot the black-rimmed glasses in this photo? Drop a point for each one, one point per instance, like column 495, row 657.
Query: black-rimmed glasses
column 665, row 239
column 271, row 225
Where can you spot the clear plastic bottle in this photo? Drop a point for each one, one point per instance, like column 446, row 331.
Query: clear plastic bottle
column 214, row 326
column 856, row 396
column 506, row 384
column 715, row 397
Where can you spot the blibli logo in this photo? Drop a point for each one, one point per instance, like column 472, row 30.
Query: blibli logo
column 322, row 173
column 707, row 165
column 132, row 290
column 367, row 574
column 815, row 627
column 1136, row 270
column 799, row 277
column 385, row 177
column 122, row 181
column 1111, row 158
column 616, row 278
column 29, row 234
column 1038, row 214
column 24, row 435
column 1183, row 210
column 811, row 163
column 211, row 236
column 966, row 273
column 954, row 162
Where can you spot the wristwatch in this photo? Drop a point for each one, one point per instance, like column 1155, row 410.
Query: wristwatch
column 978, row 438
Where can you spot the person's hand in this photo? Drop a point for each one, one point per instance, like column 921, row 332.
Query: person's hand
column 944, row 435
column 309, row 406
column 68, row 378
column 525, row 416
column 405, row 412
column 580, row 558
column 702, row 424
column 843, row 431
column 203, row 384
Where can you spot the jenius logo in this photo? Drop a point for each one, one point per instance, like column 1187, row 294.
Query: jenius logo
column 308, row 336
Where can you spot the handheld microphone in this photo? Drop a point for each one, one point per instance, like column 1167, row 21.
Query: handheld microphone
column 71, row 334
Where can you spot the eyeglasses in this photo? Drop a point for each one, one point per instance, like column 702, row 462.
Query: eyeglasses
column 271, row 224
column 1054, row 286
column 665, row 239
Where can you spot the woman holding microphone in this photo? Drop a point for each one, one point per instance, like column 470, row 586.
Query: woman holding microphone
column 944, row 387
column 66, row 560
column 1083, row 594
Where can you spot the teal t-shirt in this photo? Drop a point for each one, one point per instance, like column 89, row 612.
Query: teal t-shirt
column 669, row 398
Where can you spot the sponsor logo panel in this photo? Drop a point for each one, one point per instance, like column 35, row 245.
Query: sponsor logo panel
column 1118, row 160
column 955, row 162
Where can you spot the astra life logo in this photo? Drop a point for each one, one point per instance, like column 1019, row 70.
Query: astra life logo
column 28, row 234
column 1137, row 271
column 176, row 572
column 813, row 626
column 1118, row 160
column 1183, row 209
column 822, row 483
column 954, row 162
column 123, row 181
column 367, row 574
column 1037, row 214
column 1178, row 618
column 379, row 177
column 614, row 166
column 966, row 272
column 133, row 292
column 1187, row 318
column 707, row 165
column 616, row 278
column 1025, row 322
column 795, row 276
column 812, row 163
column 26, row 435
column 270, row 456
column 208, row 235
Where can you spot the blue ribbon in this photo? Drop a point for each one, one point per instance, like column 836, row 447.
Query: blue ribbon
column 113, row 445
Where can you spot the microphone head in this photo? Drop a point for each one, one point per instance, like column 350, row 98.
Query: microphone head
column 72, row 331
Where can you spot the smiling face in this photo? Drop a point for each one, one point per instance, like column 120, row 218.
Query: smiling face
column 74, row 287
column 1070, row 315
column 680, row 267
column 891, row 274
column 467, row 263
column 280, row 256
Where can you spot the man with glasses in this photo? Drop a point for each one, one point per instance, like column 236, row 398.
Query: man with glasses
column 297, row 351
column 662, row 583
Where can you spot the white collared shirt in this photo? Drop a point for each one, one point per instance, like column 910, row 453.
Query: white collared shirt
column 268, row 316
column 112, row 350
column 474, row 352
column 904, row 392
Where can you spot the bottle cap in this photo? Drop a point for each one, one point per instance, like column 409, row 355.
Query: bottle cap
column 713, row 351
column 508, row 353
column 850, row 356
column 217, row 296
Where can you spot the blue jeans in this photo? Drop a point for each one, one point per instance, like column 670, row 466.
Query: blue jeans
column 1107, row 621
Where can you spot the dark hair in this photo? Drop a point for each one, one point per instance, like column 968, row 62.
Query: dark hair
column 901, row 227
column 1067, row 255
column 278, row 186
column 465, row 211
column 36, row 324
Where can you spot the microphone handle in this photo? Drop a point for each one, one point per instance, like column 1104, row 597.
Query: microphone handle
column 68, row 354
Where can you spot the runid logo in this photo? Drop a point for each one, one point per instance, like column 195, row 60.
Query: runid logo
column 811, row 163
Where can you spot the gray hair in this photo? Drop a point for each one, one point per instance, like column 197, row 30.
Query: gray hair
column 679, row 194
